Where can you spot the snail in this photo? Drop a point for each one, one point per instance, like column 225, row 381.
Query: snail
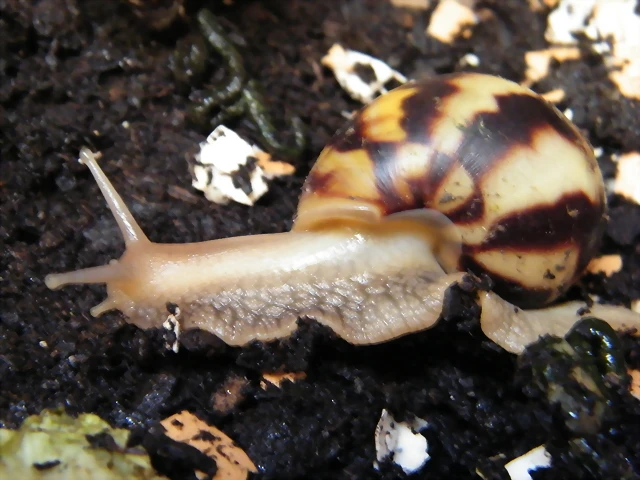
column 435, row 180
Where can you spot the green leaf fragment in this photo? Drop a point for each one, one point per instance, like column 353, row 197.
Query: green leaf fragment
column 55, row 446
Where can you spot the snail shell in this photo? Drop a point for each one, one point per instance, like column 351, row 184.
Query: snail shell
column 516, row 178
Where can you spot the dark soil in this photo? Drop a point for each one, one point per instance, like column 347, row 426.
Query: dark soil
column 72, row 71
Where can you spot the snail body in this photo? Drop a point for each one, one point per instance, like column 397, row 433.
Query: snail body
column 465, row 172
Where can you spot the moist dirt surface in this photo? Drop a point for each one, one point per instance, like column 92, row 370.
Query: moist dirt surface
column 93, row 73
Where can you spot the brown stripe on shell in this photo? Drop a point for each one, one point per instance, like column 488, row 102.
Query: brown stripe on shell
column 349, row 137
column 317, row 181
column 354, row 134
column 490, row 135
column 573, row 221
column 517, row 293
column 568, row 220
column 424, row 108
column 470, row 211
column 383, row 156
column 523, row 114
column 439, row 167
column 420, row 111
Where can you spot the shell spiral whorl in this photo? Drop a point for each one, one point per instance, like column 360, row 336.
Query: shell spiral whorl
column 516, row 177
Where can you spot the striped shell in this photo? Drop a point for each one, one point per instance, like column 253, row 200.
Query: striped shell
column 506, row 167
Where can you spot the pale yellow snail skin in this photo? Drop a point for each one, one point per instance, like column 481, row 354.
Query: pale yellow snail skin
column 369, row 256
column 259, row 285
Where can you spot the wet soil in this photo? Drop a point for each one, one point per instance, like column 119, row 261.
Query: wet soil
column 76, row 73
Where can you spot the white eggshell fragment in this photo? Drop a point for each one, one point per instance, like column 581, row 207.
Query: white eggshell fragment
column 348, row 67
column 627, row 182
column 613, row 27
column 172, row 324
column 568, row 18
column 470, row 59
column 450, row 18
column 397, row 440
column 539, row 62
column 226, row 169
column 520, row 467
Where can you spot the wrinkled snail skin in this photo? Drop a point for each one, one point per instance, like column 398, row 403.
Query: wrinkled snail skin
column 513, row 328
column 464, row 172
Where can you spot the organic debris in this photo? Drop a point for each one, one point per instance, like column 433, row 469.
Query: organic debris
column 362, row 76
column 603, row 21
column 232, row 462
column 276, row 379
column 539, row 61
column 230, row 168
column 401, row 442
column 607, row 264
column 535, row 459
column 627, row 182
column 450, row 19
column 54, row 445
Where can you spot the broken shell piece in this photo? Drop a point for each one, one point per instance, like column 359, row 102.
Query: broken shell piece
column 568, row 18
column 276, row 379
column 397, row 440
column 554, row 96
column 607, row 264
column 635, row 383
column 362, row 76
column 542, row 5
column 470, row 59
column 616, row 21
column 520, row 467
column 450, row 18
column 172, row 325
column 627, row 181
column 228, row 168
column 627, row 78
column 619, row 20
column 232, row 462
column 273, row 168
column 539, row 61
column 411, row 4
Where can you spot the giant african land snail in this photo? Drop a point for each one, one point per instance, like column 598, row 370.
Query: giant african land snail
column 464, row 172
